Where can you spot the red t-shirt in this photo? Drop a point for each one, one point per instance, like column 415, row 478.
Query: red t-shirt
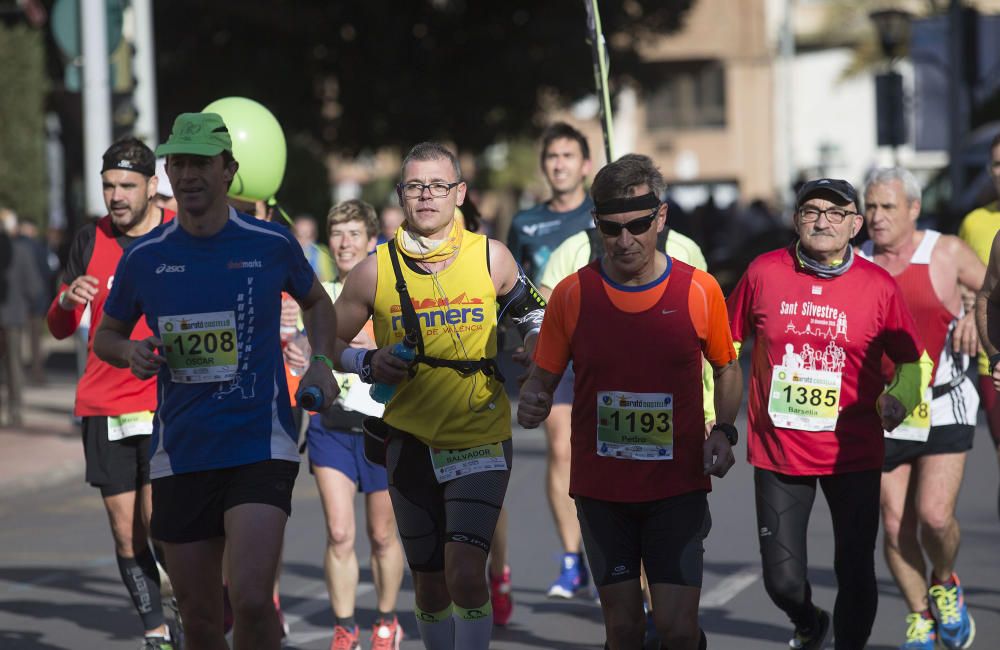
column 815, row 327
column 103, row 389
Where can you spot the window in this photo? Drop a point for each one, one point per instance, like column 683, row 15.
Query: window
column 686, row 95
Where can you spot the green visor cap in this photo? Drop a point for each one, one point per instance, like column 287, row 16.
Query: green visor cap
column 201, row 134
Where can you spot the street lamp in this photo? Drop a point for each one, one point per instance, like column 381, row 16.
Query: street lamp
column 893, row 28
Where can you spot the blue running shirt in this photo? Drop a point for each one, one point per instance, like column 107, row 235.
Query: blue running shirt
column 215, row 302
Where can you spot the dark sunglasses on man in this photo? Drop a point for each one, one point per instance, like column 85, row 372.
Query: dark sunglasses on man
column 635, row 226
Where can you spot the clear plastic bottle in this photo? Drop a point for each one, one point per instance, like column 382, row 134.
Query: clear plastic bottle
column 405, row 350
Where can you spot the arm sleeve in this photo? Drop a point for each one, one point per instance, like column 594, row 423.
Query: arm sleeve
column 552, row 351
column 62, row 323
column 711, row 321
column 911, row 381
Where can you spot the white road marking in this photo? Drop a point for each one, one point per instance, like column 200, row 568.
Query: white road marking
column 729, row 588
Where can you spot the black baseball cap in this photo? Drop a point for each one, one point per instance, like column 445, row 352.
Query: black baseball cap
column 839, row 187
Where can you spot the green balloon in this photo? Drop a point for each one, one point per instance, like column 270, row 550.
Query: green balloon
column 258, row 146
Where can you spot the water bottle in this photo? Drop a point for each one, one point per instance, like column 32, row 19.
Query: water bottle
column 311, row 398
column 405, row 350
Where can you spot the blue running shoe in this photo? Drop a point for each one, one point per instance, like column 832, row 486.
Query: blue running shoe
column 920, row 633
column 955, row 626
column 573, row 578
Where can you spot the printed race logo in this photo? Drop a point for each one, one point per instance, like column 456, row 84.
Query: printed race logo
column 461, row 313
column 169, row 268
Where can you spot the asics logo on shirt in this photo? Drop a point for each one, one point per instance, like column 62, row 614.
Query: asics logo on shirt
column 170, row 268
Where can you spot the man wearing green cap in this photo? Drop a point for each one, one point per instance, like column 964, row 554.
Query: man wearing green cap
column 209, row 286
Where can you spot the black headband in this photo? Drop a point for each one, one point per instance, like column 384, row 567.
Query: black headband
column 129, row 166
column 624, row 204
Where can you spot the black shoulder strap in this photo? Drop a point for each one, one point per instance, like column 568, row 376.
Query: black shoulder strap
column 411, row 324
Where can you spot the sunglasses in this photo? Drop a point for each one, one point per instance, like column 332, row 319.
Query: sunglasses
column 635, row 227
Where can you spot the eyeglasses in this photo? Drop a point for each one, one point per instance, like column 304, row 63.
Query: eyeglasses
column 833, row 215
column 416, row 190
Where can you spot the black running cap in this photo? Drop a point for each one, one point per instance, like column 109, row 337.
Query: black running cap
column 841, row 188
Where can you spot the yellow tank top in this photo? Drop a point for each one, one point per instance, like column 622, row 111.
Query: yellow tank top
column 457, row 311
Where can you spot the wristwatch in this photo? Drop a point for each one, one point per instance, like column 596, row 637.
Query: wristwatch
column 732, row 435
column 994, row 359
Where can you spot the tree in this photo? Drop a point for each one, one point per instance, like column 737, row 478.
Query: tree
column 360, row 75
column 22, row 129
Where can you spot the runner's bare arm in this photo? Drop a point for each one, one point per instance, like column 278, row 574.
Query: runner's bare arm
column 354, row 307
column 355, row 304
column 535, row 400
column 728, row 391
column 971, row 274
column 321, row 329
column 988, row 303
column 113, row 346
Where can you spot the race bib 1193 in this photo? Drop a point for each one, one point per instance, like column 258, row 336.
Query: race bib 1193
column 637, row 426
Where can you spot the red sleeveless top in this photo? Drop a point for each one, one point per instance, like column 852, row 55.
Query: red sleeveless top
column 655, row 351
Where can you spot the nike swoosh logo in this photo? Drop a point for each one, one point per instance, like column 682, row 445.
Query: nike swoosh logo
column 668, row 311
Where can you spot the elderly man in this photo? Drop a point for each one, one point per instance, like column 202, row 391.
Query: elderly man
column 821, row 319
column 925, row 455
column 640, row 457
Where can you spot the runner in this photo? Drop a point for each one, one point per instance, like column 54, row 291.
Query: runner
column 575, row 253
column 821, row 319
column 115, row 407
column 336, row 459
column 988, row 313
column 447, row 423
column 209, row 286
column 925, row 456
column 978, row 230
column 640, row 457
column 534, row 235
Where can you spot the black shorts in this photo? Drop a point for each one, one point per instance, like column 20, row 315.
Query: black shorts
column 191, row 507
column 431, row 514
column 946, row 439
column 666, row 535
column 114, row 466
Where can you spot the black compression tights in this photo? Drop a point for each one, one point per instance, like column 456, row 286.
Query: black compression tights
column 783, row 506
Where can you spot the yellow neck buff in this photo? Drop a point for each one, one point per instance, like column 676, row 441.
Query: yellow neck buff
column 429, row 250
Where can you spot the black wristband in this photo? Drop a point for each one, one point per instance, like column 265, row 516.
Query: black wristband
column 994, row 360
column 366, row 374
column 732, row 435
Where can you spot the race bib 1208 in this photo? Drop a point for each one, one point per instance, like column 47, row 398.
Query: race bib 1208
column 200, row 347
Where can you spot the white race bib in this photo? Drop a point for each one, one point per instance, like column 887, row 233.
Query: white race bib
column 635, row 426
column 200, row 348
column 917, row 425
column 807, row 400
column 452, row 463
column 130, row 424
